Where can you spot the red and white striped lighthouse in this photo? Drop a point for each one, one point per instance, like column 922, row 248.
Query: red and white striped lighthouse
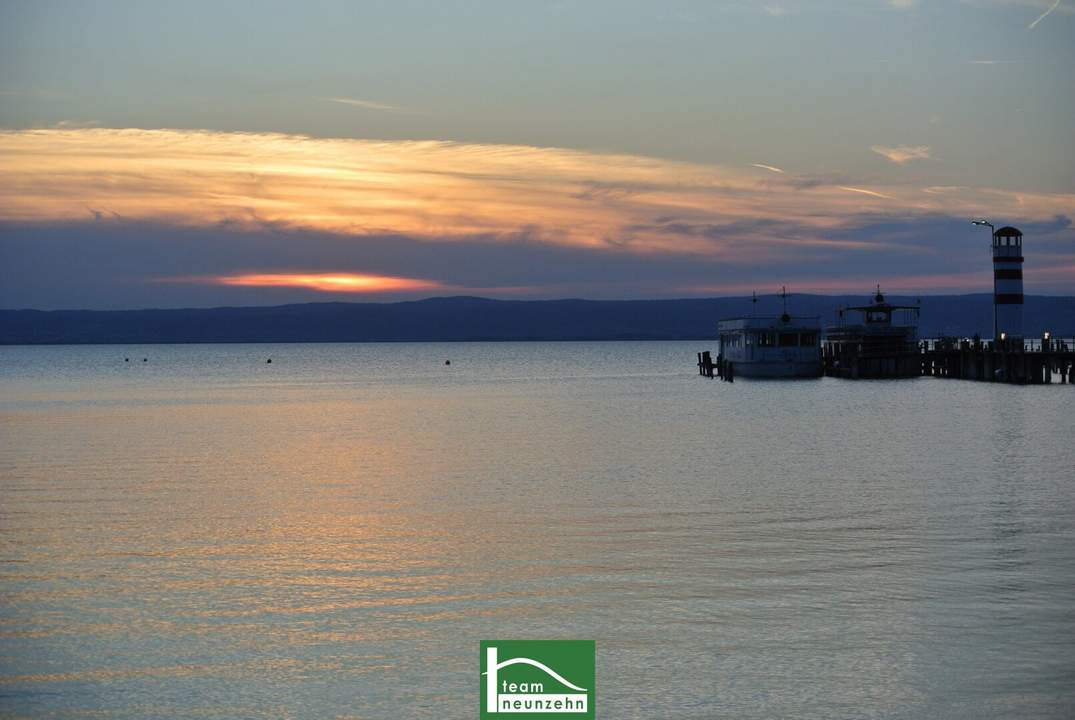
column 1008, row 282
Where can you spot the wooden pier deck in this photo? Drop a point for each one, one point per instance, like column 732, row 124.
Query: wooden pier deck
column 1022, row 362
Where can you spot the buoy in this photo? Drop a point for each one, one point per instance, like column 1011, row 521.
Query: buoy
column 145, row 359
column 447, row 362
column 269, row 360
column 126, row 359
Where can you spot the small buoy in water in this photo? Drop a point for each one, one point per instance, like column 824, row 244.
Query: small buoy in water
column 447, row 362
column 145, row 359
column 126, row 359
column 269, row 360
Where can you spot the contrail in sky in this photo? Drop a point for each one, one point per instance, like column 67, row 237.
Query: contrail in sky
column 1044, row 15
column 865, row 192
column 766, row 167
column 368, row 104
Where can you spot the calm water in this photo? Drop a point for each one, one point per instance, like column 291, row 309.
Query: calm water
column 330, row 535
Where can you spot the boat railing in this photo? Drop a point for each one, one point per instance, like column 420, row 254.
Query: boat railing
column 769, row 317
column 902, row 316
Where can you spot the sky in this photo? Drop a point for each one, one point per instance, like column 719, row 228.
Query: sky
column 198, row 154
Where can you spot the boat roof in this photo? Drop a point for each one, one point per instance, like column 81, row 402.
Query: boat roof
column 884, row 306
column 771, row 322
column 879, row 304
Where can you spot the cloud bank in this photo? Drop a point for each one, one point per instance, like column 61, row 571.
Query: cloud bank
column 440, row 191
column 270, row 212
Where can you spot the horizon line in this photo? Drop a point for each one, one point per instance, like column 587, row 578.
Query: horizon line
column 514, row 300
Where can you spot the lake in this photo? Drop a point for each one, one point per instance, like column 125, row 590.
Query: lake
column 330, row 535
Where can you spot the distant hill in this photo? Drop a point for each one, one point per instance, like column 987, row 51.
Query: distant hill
column 471, row 318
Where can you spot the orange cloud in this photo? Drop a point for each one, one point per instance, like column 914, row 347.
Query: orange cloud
column 341, row 282
column 443, row 191
column 327, row 282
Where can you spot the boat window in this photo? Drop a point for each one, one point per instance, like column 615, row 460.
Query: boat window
column 789, row 339
column 808, row 339
column 766, row 339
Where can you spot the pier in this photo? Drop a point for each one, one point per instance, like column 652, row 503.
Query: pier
column 707, row 367
column 1021, row 362
column 1017, row 362
column 880, row 341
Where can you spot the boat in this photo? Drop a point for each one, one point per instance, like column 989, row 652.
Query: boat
column 771, row 346
column 879, row 340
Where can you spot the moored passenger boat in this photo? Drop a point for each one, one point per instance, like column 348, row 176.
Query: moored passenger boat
column 879, row 340
column 780, row 346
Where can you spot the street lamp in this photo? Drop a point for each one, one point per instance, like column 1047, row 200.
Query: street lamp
column 992, row 232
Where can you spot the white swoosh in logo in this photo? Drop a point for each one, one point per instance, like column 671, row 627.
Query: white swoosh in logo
column 540, row 666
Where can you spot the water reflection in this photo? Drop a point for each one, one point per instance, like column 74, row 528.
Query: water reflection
column 331, row 535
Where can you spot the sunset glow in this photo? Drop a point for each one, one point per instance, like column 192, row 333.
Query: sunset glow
column 442, row 191
column 733, row 339
column 528, row 150
column 326, row 282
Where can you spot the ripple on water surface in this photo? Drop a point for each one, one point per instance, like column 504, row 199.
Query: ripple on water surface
column 330, row 535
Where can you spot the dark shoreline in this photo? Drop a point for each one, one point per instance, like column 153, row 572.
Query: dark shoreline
column 469, row 319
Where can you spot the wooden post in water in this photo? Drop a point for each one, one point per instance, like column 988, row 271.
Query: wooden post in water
column 707, row 364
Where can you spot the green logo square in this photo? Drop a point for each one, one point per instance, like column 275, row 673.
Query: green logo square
column 537, row 678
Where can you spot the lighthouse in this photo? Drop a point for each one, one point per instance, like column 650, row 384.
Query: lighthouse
column 1008, row 283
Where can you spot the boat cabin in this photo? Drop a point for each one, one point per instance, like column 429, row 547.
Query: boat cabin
column 879, row 340
column 772, row 346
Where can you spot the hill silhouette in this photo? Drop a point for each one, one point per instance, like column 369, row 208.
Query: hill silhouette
column 472, row 318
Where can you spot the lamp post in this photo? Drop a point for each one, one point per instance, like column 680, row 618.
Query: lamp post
column 992, row 232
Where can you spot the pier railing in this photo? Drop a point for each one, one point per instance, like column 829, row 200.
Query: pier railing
column 1035, row 345
column 1024, row 361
